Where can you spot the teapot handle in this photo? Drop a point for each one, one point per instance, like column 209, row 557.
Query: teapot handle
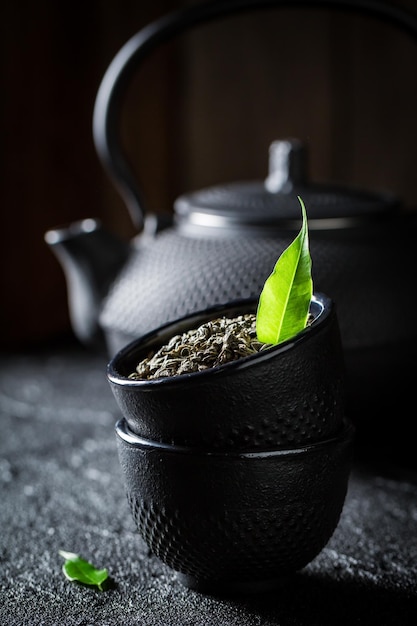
column 107, row 108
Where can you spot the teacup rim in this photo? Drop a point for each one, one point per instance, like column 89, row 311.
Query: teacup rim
column 345, row 434
column 126, row 353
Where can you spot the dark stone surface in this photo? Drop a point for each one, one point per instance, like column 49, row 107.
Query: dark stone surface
column 61, row 488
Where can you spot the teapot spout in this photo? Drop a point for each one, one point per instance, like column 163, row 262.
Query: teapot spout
column 90, row 258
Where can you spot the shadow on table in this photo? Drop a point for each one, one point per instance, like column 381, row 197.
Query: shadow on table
column 309, row 599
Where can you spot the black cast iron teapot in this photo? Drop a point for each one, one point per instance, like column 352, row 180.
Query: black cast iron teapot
column 222, row 242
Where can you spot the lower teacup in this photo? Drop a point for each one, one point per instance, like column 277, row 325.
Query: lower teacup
column 235, row 521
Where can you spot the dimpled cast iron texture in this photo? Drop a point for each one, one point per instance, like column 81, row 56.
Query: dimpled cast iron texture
column 235, row 522
column 181, row 275
column 172, row 275
column 289, row 395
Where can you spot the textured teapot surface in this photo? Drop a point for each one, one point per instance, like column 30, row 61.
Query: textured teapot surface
column 224, row 243
column 173, row 274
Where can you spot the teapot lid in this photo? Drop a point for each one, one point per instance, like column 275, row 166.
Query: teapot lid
column 274, row 203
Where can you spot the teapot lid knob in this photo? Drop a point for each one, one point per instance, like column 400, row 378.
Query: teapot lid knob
column 272, row 203
column 287, row 165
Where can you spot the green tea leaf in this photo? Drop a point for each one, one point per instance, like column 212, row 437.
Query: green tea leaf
column 76, row 568
column 285, row 299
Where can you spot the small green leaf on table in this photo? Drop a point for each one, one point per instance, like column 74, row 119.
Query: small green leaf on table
column 285, row 299
column 77, row 569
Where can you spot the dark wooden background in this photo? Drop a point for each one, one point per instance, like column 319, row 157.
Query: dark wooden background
column 202, row 110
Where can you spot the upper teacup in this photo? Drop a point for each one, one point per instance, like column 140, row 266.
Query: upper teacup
column 285, row 396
